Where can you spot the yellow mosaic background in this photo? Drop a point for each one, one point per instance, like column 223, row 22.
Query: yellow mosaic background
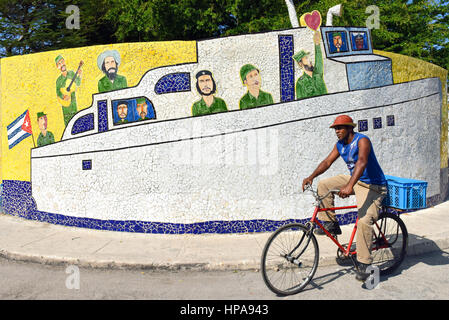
column 29, row 82
column 409, row 69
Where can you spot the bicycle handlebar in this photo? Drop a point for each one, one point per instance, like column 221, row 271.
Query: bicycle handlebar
column 315, row 193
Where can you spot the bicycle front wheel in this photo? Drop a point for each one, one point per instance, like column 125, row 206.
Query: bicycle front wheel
column 390, row 242
column 289, row 259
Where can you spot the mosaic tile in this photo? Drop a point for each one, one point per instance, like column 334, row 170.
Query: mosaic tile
column 278, row 80
column 17, row 201
column 390, row 120
column 369, row 74
column 377, row 123
column 174, row 82
column 102, row 116
column 287, row 68
column 87, row 164
column 362, row 125
column 83, row 124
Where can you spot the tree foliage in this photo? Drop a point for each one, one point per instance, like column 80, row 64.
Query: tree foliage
column 417, row 28
column 28, row 26
column 137, row 20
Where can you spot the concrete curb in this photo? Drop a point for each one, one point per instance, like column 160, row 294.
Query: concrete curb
column 44, row 243
column 417, row 247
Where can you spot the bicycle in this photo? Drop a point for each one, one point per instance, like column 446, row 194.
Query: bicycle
column 290, row 256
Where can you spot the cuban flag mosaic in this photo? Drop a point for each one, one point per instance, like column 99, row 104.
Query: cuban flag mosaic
column 19, row 129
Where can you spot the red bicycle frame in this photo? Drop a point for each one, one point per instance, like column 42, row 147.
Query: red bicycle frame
column 315, row 220
column 346, row 251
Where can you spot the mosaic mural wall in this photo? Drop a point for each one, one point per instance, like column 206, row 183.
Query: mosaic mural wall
column 210, row 136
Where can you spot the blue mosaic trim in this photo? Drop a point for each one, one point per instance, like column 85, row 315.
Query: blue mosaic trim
column 174, row 82
column 87, row 164
column 11, row 187
column 390, row 120
column 217, row 227
column 377, row 123
column 363, row 125
column 17, row 201
column 83, row 124
column 287, row 68
column 16, row 198
column 102, row 116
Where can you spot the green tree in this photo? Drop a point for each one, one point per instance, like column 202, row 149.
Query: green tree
column 31, row 26
column 28, row 26
column 416, row 28
column 138, row 20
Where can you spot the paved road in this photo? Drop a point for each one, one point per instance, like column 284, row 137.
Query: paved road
column 420, row 277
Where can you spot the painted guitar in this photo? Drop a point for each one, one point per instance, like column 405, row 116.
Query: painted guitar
column 68, row 90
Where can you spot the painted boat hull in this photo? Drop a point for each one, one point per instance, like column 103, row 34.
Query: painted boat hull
column 237, row 166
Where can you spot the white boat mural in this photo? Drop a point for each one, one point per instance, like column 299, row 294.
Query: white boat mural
column 236, row 170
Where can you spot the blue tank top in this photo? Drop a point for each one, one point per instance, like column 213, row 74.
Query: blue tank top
column 373, row 173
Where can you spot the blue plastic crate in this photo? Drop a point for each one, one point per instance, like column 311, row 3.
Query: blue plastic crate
column 405, row 193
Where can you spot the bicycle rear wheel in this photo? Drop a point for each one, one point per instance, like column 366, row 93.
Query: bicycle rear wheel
column 289, row 259
column 390, row 242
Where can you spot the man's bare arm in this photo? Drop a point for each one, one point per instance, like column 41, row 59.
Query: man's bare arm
column 322, row 167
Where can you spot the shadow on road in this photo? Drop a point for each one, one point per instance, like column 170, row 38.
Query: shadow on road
column 319, row 282
column 419, row 250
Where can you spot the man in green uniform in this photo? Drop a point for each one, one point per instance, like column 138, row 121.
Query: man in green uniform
column 206, row 87
column 68, row 101
column 337, row 40
column 254, row 97
column 108, row 62
column 122, row 112
column 142, row 109
column 45, row 137
column 311, row 83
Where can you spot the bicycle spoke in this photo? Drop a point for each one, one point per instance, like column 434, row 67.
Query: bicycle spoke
column 289, row 260
column 390, row 242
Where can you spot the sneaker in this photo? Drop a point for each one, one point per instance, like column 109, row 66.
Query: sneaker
column 361, row 273
column 331, row 226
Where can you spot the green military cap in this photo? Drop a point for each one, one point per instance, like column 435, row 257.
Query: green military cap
column 141, row 100
column 59, row 57
column 247, row 68
column 336, row 34
column 301, row 54
column 40, row 114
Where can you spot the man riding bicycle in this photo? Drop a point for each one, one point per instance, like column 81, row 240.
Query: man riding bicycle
column 366, row 181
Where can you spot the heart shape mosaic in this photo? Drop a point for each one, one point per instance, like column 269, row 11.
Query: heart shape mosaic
column 313, row 20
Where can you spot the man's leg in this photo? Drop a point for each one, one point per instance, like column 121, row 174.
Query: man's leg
column 324, row 186
column 369, row 200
